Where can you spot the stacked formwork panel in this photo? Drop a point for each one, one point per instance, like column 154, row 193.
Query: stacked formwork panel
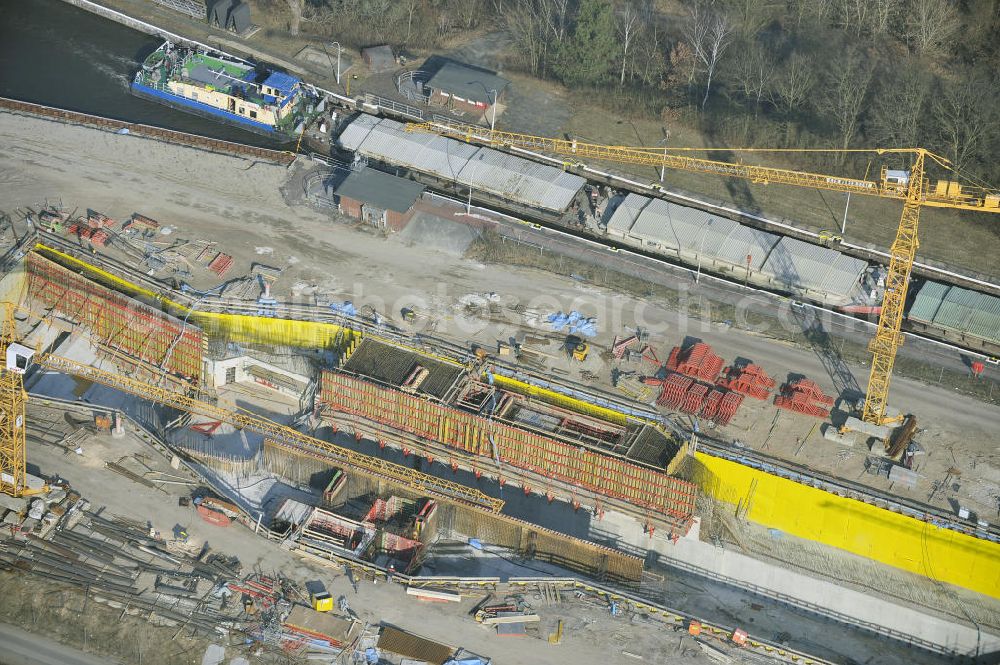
column 117, row 321
column 478, row 436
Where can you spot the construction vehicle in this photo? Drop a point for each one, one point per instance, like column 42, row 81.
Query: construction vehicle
column 578, row 348
column 319, row 598
column 911, row 187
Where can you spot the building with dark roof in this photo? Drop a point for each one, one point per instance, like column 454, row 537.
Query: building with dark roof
column 466, row 88
column 376, row 198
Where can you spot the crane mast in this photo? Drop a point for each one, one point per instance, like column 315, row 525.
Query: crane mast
column 13, row 470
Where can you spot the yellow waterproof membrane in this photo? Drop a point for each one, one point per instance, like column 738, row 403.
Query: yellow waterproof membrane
column 241, row 328
column 854, row 526
column 561, row 400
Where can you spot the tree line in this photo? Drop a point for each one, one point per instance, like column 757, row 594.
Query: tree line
column 776, row 73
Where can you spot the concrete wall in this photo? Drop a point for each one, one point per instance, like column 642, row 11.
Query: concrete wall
column 826, row 597
column 215, row 372
column 853, row 526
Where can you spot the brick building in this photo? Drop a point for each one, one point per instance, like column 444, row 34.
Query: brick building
column 467, row 89
column 378, row 199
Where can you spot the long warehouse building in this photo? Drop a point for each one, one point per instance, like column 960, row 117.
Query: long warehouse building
column 508, row 177
column 725, row 246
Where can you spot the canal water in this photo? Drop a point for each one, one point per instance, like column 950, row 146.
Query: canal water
column 55, row 54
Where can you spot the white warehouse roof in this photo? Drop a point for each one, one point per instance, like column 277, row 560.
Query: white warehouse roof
column 802, row 265
column 514, row 178
column 791, row 263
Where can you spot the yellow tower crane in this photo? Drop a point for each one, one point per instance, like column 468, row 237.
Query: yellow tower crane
column 912, row 188
column 13, row 473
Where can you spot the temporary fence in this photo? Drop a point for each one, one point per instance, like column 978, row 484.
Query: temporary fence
column 481, row 437
column 121, row 323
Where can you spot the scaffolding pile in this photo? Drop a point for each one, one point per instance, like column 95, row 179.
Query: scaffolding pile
column 123, row 325
column 804, row 396
column 491, row 441
column 747, row 379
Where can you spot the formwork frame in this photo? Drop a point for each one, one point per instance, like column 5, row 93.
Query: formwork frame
column 479, row 436
column 117, row 321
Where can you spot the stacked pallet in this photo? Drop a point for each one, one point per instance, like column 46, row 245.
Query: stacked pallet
column 804, row 396
column 140, row 223
column 100, row 237
column 683, row 393
column 728, row 406
column 96, row 220
column 221, row 264
column 750, row 380
column 698, row 361
column 674, row 388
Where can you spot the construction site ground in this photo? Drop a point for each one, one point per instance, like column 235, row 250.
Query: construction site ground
column 590, row 635
column 546, row 108
column 239, row 204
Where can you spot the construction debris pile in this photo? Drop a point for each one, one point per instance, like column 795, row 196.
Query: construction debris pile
column 147, row 242
column 57, row 537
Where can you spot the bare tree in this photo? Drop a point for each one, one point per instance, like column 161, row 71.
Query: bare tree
column 753, row 72
column 556, row 13
column 964, row 111
column 628, row 27
column 846, row 88
column 930, row 24
column 650, row 49
column 709, row 34
column 529, row 27
column 883, row 15
column 900, row 107
column 751, row 16
column 469, row 12
column 296, row 8
column 793, row 85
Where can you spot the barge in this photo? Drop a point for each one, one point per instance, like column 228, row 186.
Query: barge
column 226, row 89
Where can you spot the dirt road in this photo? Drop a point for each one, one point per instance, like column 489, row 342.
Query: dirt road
column 23, row 648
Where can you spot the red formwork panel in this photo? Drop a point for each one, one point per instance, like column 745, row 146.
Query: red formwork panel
column 809, row 390
column 711, row 406
column 694, row 398
column 673, row 359
column 121, row 323
column 475, row 435
column 802, row 406
column 757, row 376
column 221, row 264
column 674, row 388
column 620, row 345
column 727, row 408
column 697, row 361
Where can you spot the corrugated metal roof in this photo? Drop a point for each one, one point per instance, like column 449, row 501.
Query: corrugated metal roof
column 802, row 265
column 356, row 132
column 412, row 646
column 678, row 227
column 626, row 213
column 743, row 241
column 514, row 178
column 958, row 309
